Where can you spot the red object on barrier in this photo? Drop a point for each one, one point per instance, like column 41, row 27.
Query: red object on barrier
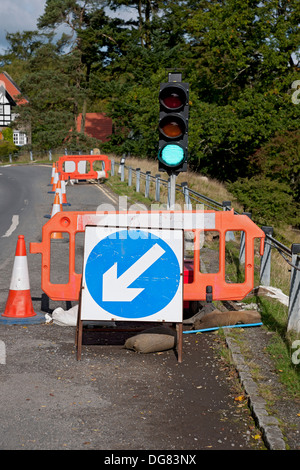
column 75, row 172
column 19, row 303
column 188, row 275
column 198, row 284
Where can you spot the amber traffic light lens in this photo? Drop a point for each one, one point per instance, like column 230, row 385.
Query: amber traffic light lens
column 172, row 127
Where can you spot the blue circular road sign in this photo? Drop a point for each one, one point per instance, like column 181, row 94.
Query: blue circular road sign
column 132, row 274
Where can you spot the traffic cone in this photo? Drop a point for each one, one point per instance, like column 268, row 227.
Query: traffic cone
column 52, row 174
column 56, row 208
column 64, row 194
column 55, row 180
column 57, row 204
column 19, row 303
column 59, row 192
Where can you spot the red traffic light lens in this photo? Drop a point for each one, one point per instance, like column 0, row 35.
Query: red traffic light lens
column 173, row 97
column 172, row 127
column 173, row 101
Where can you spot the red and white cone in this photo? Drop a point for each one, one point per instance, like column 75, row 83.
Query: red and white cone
column 55, row 180
column 56, row 208
column 59, row 192
column 52, row 174
column 19, row 303
column 63, row 193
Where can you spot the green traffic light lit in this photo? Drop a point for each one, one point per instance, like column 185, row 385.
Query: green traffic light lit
column 172, row 155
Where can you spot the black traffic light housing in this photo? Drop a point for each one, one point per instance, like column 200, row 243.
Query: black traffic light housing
column 173, row 125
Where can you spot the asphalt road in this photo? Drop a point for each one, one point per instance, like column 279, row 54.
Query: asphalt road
column 25, row 206
column 113, row 399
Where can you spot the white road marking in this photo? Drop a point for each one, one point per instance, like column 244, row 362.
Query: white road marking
column 12, row 228
column 2, row 353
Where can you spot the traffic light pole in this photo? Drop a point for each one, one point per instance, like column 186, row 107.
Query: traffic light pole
column 172, row 196
column 172, row 192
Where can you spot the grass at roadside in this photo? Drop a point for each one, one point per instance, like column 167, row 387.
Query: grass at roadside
column 209, row 187
column 24, row 158
column 274, row 314
column 122, row 189
column 281, row 347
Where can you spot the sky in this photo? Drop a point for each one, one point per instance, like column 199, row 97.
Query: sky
column 18, row 15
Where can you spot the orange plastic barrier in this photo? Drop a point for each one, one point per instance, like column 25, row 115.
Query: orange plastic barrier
column 196, row 287
column 214, row 284
column 90, row 160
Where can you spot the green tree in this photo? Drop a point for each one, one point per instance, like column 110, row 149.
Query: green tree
column 56, row 76
column 51, row 89
column 271, row 202
column 142, row 14
column 86, row 23
column 241, row 61
column 129, row 81
column 23, row 45
column 279, row 159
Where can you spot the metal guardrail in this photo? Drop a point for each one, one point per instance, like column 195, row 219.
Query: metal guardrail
column 290, row 255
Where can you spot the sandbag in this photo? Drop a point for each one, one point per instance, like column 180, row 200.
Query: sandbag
column 152, row 340
column 217, row 318
column 65, row 317
column 69, row 318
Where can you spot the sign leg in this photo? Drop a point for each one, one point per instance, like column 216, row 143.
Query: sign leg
column 179, row 341
column 79, row 327
column 79, row 340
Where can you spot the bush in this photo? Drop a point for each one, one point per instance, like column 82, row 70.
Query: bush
column 269, row 201
column 279, row 159
column 8, row 134
column 7, row 148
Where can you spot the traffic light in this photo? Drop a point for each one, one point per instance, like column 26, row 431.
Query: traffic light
column 173, row 125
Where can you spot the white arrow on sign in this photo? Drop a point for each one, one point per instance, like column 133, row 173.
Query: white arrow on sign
column 116, row 289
